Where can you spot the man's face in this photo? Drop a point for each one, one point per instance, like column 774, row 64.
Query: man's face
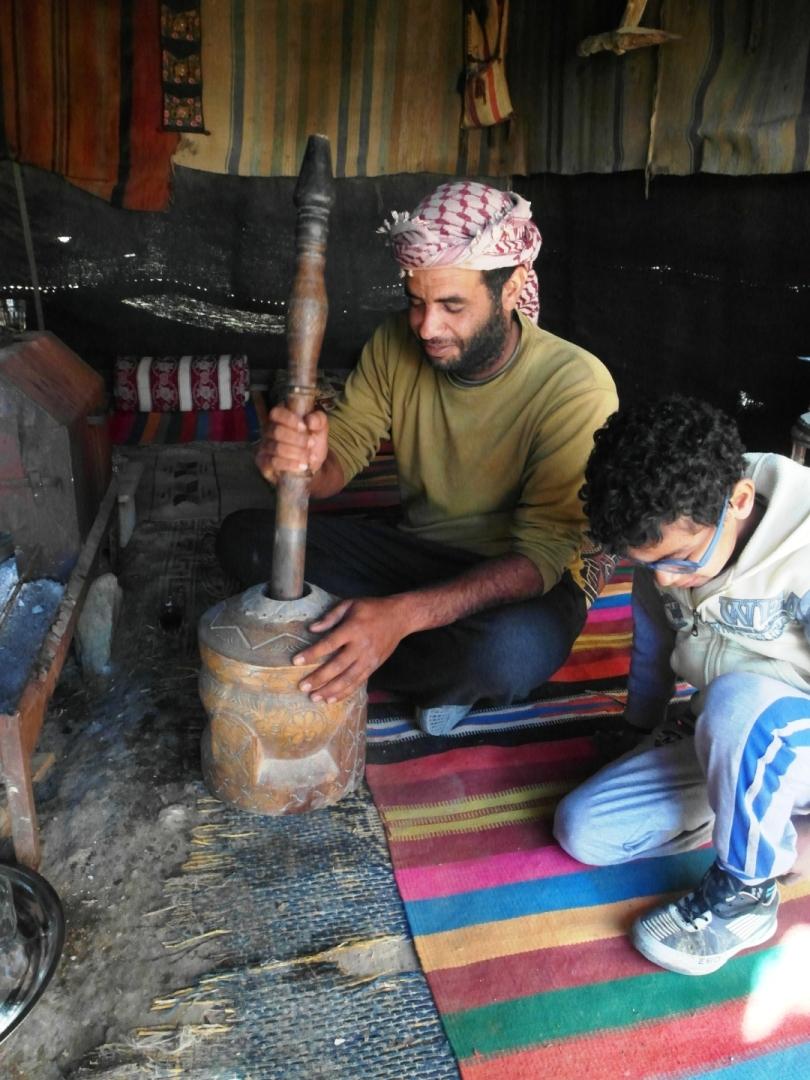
column 456, row 321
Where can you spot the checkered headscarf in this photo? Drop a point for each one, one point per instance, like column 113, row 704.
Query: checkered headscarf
column 471, row 226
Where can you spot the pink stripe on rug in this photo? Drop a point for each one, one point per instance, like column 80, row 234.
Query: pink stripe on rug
column 429, row 882
column 609, row 614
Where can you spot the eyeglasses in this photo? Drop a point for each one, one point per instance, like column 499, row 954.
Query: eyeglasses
column 688, row 566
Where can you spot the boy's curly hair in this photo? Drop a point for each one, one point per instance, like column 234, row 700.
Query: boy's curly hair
column 654, row 463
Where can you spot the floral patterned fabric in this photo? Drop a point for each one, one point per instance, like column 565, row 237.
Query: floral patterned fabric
column 180, row 383
column 181, row 44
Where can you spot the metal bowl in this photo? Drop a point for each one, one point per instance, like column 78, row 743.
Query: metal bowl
column 36, row 947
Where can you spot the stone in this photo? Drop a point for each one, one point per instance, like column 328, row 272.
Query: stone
column 96, row 625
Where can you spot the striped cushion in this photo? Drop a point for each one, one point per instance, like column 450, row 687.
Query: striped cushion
column 180, row 383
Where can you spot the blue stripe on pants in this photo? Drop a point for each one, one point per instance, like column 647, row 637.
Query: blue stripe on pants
column 759, row 778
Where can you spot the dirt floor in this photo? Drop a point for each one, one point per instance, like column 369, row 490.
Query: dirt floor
column 116, row 811
column 119, row 811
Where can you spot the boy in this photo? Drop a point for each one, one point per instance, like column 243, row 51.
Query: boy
column 721, row 599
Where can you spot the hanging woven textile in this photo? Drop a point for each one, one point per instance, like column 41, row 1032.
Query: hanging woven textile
column 486, row 94
column 180, row 44
column 81, row 97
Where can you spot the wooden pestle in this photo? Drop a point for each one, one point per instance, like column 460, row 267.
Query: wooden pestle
column 306, row 322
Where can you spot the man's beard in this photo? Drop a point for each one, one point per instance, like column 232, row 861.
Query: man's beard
column 480, row 351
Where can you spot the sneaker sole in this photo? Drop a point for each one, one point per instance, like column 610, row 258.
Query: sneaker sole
column 684, row 963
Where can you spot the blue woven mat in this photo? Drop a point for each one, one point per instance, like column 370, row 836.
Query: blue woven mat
column 284, row 895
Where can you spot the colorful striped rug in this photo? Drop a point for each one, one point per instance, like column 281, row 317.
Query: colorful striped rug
column 525, row 950
column 165, row 428
column 602, row 650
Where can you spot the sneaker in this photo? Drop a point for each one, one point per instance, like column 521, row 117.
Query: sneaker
column 441, row 719
column 700, row 932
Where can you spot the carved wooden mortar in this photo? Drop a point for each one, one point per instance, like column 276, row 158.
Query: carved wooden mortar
column 267, row 747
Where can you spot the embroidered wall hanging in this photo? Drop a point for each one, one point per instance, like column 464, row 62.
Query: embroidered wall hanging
column 181, row 41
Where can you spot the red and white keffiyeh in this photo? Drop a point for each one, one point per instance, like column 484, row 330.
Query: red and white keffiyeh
column 472, row 226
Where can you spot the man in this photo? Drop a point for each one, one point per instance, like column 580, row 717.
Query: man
column 721, row 599
column 471, row 595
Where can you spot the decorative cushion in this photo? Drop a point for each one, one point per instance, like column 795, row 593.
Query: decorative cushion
column 180, row 383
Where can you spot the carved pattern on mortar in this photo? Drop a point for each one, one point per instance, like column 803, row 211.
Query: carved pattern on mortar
column 279, row 753
column 267, row 747
column 271, row 630
column 283, row 645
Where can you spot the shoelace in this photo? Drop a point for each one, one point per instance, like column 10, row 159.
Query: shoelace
column 715, row 890
column 694, row 908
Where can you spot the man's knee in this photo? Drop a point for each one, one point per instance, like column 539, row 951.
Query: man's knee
column 488, row 661
column 228, row 536
column 511, row 656
column 233, row 526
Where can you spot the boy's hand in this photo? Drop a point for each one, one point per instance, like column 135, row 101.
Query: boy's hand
column 612, row 742
column 290, row 444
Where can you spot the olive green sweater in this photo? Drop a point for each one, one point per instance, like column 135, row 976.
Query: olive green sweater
column 490, row 467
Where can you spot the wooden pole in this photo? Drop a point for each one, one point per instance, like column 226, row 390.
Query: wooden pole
column 306, row 322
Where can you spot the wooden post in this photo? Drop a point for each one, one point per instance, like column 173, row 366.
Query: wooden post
column 306, row 322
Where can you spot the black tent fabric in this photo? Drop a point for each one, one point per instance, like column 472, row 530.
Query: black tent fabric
column 700, row 285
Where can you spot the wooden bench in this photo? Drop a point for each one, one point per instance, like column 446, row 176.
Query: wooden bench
column 20, row 728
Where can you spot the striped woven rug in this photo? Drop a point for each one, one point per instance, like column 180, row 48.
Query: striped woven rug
column 525, row 950
column 168, row 428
